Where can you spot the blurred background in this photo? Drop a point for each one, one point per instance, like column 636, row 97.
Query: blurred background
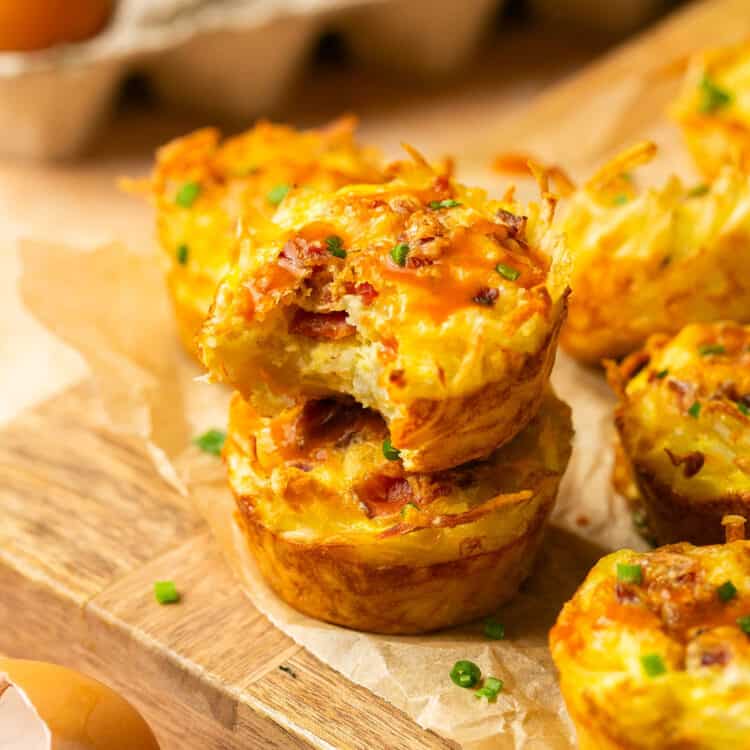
column 67, row 70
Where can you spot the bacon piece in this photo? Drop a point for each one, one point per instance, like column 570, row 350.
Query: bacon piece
column 691, row 462
column 328, row 421
column 365, row 290
column 719, row 656
column 626, row 594
column 298, row 255
column 384, row 494
column 329, row 326
column 516, row 224
column 486, row 296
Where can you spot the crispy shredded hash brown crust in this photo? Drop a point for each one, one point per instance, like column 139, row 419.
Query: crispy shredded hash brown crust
column 346, row 535
column 684, row 426
column 653, row 261
column 419, row 297
column 713, row 109
column 681, row 616
column 239, row 178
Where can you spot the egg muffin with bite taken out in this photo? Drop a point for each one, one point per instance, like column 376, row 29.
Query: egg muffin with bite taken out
column 420, row 298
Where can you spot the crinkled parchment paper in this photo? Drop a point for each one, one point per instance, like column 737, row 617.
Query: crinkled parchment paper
column 110, row 305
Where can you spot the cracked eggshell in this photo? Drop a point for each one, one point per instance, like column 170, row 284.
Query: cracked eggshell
column 48, row 707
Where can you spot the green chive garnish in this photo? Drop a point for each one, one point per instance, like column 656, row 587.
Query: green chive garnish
column 698, row 191
column 490, row 690
column 620, row 200
column 653, row 665
column 507, row 272
column 465, row 673
column 335, row 246
column 391, row 453
column 629, row 573
column 662, row 374
column 713, row 97
column 744, row 624
column 448, row 203
column 182, row 254
column 211, row 441
column 494, row 629
column 695, row 409
column 399, row 253
column 726, row 592
column 744, row 409
column 708, row 349
column 277, row 194
column 165, row 592
column 187, row 194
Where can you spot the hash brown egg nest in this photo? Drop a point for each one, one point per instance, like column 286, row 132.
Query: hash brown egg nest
column 653, row 650
column 713, row 109
column 391, row 551
column 684, row 425
column 203, row 187
column 419, row 297
column 653, row 261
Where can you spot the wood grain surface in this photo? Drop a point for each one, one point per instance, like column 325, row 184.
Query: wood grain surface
column 86, row 525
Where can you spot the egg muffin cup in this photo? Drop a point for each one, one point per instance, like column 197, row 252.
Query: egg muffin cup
column 712, row 109
column 204, row 188
column 652, row 261
column 653, row 649
column 418, row 297
column 684, row 425
column 342, row 532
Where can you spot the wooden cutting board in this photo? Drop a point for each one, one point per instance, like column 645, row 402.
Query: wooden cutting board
column 86, row 526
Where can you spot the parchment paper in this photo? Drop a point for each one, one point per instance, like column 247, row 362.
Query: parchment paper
column 110, row 305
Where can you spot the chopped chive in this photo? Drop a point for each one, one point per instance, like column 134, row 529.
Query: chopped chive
column 708, row 349
column 166, row 592
column 726, row 592
column 448, row 203
column 335, row 246
column 713, row 97
column 490, row 690
column 698, row 191
column 695, row 409
column 211, row 441
column 653, row 665
column 744, row 624
column 465, row 673
column 629, row 573
column 182, row 254
column 187, row 194
column 507, row 272
column 277, row 193
column 662, row 374
column 399, row 253
column 391, row 453
column 494, row 629
column 620, row 200
column 744, row 409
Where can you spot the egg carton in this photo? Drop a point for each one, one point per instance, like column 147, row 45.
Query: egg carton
column 235, row 59
column 232, row 59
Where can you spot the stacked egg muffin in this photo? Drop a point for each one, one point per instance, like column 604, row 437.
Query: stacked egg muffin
column 394, row 445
